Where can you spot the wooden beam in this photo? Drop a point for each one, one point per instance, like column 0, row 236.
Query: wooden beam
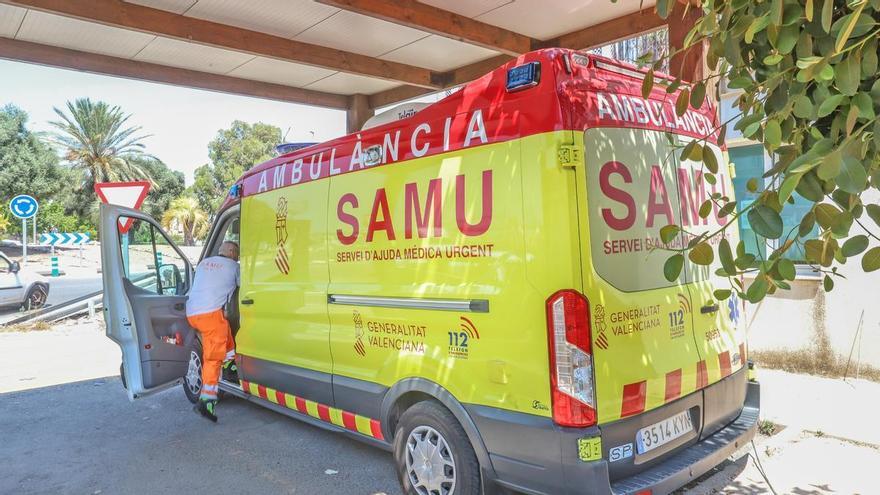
column 441, row 22
column 688, row 64
column 452, row 78
column 609, row 31
column 24, row 51
column 162, row 23
column 589, row 37
column 358, row 113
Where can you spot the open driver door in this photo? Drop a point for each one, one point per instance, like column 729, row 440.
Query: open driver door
column 146, row 278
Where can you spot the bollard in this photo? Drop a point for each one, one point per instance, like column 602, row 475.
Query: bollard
column 55, row 271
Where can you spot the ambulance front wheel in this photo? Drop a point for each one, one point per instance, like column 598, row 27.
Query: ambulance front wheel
column 433, row 453
column 192, row 380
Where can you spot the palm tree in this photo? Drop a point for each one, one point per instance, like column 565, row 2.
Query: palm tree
column 184, row 213
column 96, row 143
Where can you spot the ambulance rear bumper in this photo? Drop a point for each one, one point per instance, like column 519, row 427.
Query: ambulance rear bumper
column 532, row 455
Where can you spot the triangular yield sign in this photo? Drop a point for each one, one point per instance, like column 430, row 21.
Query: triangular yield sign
column 127, row 194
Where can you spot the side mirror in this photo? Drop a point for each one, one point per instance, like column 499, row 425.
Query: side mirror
column 16, row 267
column 169, row 277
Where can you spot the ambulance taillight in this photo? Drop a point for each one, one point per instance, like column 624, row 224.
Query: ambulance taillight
column 571, row 360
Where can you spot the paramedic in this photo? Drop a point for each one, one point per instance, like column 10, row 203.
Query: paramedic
column 216, row 278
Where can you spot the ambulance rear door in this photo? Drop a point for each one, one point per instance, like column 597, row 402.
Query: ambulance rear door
column 644, row 349
column 146, row 278
column 718, row 327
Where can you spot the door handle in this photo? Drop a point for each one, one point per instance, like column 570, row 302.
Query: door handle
column 712, row 308
column 179, row 307
column 247, row 301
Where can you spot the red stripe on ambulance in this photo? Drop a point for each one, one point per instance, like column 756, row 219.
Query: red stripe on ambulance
column 350, row 421
column 633, row 398
column 673, row 385
column 742, row 354
column 724, row 363
column 702, row 374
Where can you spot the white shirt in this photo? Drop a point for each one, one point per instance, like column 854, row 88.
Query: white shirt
column 215, row 279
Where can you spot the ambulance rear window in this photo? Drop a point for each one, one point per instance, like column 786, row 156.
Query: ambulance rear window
column 631, row 194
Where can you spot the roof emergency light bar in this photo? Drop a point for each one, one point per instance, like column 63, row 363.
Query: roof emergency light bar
column 523, row 76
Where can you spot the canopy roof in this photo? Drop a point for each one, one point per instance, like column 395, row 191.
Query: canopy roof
column 326, row 52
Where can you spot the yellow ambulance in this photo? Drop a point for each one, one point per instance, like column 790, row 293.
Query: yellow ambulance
column 477, row 287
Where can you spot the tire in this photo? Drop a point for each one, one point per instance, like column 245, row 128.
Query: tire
column 449, row 470
column 192, row 380
column 36, row 298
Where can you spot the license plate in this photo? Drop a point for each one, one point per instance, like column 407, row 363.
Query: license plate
column 657, row 434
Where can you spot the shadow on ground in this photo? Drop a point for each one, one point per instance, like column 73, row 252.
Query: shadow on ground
column 86, row 437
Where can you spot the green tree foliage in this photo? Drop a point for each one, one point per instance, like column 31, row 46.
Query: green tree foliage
column 167, row 185
column 27, row 165
column 811, row 95
column 184, row 214
column 94, row 140
column 232, row 152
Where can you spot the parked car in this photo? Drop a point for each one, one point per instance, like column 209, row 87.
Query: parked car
column 22, row 288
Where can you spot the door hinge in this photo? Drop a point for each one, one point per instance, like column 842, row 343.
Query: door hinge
column 570, row 155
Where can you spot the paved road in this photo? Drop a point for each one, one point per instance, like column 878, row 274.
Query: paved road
column 87, row 438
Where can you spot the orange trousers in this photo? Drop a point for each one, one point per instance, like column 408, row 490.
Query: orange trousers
column 217, row 347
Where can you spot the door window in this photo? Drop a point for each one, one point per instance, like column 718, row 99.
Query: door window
column 150, row 260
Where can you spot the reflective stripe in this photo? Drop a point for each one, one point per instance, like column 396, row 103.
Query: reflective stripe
column 350, row 421
column 208, row 395
column 210, row 388
column 230, row 355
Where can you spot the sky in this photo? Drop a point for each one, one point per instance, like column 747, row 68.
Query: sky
column 180, row 121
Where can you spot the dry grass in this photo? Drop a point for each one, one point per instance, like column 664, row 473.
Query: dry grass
column 813, row 362
column 37, row 326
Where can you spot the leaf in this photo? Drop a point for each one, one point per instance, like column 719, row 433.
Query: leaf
column 664, row 7
column 786, row 269
column 808, row 10
column 873, row 211
column 829, row 105
column 696, row 153
column 852, row 177
column 681, row 103
column 710, row 160
column 803, row 107
column 721, row 294
column 807, row 223
column 788, row 186
column 830, row 166
column 702, row 254
column 668, row 233
column 765, row 222
column 847, row 74
column 757, row 26
column 819, row 252
column 773, row 133
column 773, row 59
column 825, row 214
column 752, row 184
column 698, row 95
column 851, row 117
column 705, row 208
column 827, row 9
column 827, row 283
column 726, row 257
column 757, row 290
column 672, row 267
column 849, row 23
column 866, row 107
column 871, row 260
column 647, row 84
column 855, row 245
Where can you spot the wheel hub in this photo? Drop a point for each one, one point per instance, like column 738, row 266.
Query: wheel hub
column 429, row 462
column 193, row 376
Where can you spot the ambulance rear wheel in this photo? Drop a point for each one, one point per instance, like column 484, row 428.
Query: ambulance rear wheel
column 433, row 453
column 192, row 380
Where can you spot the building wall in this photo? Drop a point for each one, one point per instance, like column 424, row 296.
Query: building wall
column 806, row 318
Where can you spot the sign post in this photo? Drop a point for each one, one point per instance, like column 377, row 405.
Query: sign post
column 24, row 207
column 129, row 195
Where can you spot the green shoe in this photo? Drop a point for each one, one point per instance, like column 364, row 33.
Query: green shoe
column 206, row 409
column 230, row 372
